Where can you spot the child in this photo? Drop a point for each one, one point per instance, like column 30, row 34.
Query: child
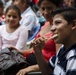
column 13, row 34
column 64, row 26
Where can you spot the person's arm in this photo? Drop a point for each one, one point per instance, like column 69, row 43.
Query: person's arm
column 24, row 52
column 21, row 43
column 38, row 45
column 28, row 69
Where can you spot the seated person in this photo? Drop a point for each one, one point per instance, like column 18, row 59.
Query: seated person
column 29, row 18
column 50, row 46
column 64, row 30
column 12, row 33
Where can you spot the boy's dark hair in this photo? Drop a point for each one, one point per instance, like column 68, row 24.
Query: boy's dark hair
column 1, row 4
column 69, row 13
column 56, row 2
column 15, row 8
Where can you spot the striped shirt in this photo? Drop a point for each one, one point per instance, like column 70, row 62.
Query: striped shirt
column 64, row 62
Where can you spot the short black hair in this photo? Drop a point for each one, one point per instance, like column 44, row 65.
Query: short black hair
column 68, row 13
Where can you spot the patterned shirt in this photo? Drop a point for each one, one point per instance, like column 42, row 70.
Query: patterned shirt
column 64, row 63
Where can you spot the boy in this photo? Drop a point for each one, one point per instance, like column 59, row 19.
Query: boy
column 64, row 26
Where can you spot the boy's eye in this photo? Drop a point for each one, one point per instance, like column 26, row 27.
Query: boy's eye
column 57, row 22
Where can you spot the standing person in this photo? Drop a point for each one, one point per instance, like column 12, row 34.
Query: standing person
column 12, row 33
column 50, row 46
column 64, row 27
column 29, row 18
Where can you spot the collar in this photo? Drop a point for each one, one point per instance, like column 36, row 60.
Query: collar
column 64, row 51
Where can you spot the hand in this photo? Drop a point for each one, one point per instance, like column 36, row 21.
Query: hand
column 38, row 44
column 13, row 48
column 23, row 71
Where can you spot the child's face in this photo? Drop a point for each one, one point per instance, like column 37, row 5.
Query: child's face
column 46, row 9
column 12, row 18
column 62, row 28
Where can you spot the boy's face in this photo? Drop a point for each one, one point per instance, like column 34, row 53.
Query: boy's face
column 62, row 28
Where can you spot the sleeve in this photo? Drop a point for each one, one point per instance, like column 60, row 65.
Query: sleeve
column 71, row 66
column 51, row 62
column 23, row 36
column 29, row 22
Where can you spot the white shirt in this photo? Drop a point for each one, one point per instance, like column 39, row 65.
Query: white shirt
column 29, row 19
column 18, row 38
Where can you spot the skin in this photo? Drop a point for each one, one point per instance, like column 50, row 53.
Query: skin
column 61, row 27
column 69, row 2
column 12, row 20
column 46, row 9
column 22, row 5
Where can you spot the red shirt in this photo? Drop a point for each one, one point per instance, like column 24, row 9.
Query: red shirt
column 50, row 47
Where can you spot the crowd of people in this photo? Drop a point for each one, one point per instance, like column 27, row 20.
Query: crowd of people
column 55, row 56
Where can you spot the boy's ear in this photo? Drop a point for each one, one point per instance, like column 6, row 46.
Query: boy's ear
column 74, row 25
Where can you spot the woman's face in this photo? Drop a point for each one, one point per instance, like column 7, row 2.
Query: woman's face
column 62, row 28
column 46, row 9
column 12, row 18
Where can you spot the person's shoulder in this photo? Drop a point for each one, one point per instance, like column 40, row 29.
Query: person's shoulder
column 71, row 53
column 2, row 26
column 22, row 27
column 45, row 25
